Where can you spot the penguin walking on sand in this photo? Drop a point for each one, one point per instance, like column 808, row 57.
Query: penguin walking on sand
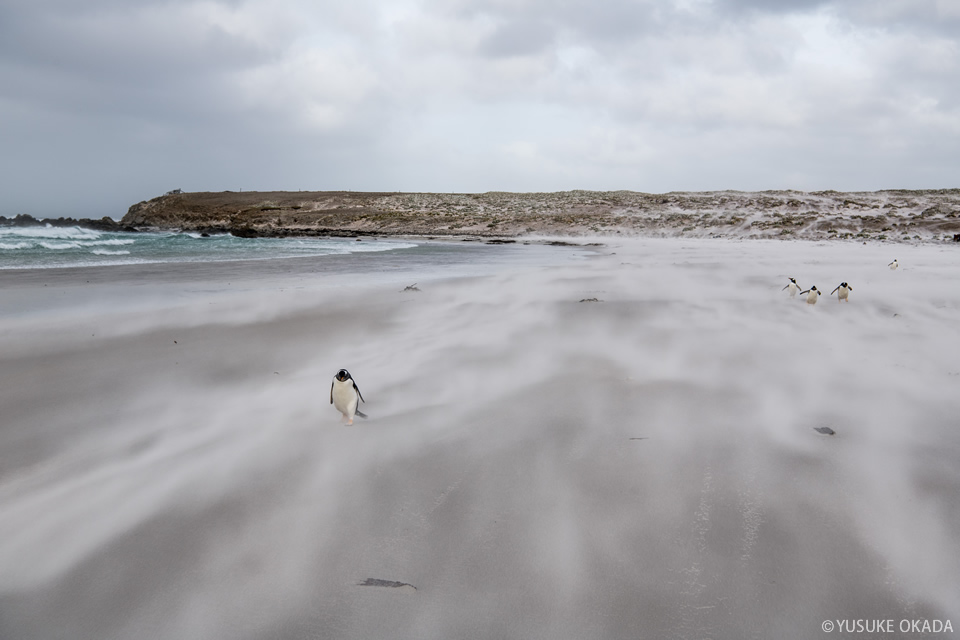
column 812, row 294
column 792, row 287
column 893, row 265
column 843, row 292
column 345, row 396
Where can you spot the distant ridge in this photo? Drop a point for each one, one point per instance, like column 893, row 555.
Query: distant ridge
column 892, row 215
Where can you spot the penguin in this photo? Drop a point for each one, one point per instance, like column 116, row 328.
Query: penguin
column 893, row 265
column 345, row 396
column 792, row 287
column 812, row 294
column 844, row 290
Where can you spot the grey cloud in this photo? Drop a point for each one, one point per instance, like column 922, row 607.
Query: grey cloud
column 931, row 16
column 518, row 39
column 768, row 6
column 617, row 20
column 473, row 95
column 71, row 61
column 128, row 45
column 613, row 19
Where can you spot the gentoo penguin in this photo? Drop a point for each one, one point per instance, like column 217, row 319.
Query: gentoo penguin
column 792, row 287
column 893, row 265
column 812, row 294
column 844, row 290
column 345, row 396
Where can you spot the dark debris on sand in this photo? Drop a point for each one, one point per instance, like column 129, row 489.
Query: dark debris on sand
column 391, row 584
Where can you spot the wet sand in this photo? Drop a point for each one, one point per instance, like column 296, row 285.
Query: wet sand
column 645, row 465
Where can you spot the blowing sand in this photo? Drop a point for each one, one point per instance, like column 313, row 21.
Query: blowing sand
column 645, row 465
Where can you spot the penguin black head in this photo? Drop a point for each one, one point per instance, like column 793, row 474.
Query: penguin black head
column 793, row 280
column 844, row 285
column 343, row 375
column 814, row 288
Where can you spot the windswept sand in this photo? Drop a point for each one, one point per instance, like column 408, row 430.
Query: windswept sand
column 645, row 465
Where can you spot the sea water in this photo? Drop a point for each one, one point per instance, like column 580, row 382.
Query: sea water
column 57, row 270
column 55, row 247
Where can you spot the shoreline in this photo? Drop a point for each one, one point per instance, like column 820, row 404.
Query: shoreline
column 48, row 289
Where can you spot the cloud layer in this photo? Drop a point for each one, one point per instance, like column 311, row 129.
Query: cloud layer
column 109, row 103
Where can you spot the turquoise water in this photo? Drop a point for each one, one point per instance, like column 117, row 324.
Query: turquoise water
column 58, row 247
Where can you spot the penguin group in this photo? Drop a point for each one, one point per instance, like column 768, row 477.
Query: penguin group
column 813, row 294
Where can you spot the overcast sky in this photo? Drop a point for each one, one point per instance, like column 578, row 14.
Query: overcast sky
column 104, row 103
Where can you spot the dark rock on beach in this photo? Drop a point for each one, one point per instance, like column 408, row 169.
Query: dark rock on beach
column 389, row 584
column 20, row 221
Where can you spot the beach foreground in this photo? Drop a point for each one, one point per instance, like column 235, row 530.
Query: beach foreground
column 620, row 445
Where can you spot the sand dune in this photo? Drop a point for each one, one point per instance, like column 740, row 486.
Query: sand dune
column 645, row 465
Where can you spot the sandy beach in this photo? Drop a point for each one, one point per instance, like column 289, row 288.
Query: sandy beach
column 606, row 443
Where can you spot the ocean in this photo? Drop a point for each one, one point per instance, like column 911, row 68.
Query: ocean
column 57, row 247
column 56, row 270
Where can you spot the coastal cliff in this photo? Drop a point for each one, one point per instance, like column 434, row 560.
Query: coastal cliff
column 896, row 215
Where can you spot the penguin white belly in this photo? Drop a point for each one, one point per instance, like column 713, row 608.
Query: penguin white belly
column 843, row 293
column 345, row 399
column 812, row 297
column 793, row 289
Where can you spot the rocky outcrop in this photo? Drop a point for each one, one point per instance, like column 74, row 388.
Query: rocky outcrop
column 883, row 215
column 103, row 224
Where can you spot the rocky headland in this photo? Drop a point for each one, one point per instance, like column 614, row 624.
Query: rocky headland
column 103, row 224
column 893, row 215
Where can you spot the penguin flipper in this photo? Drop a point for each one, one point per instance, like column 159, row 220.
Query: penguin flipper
column 361, row 414
column 784, row 288
column 331, row 393
column 834, row 291
column 358, row 390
